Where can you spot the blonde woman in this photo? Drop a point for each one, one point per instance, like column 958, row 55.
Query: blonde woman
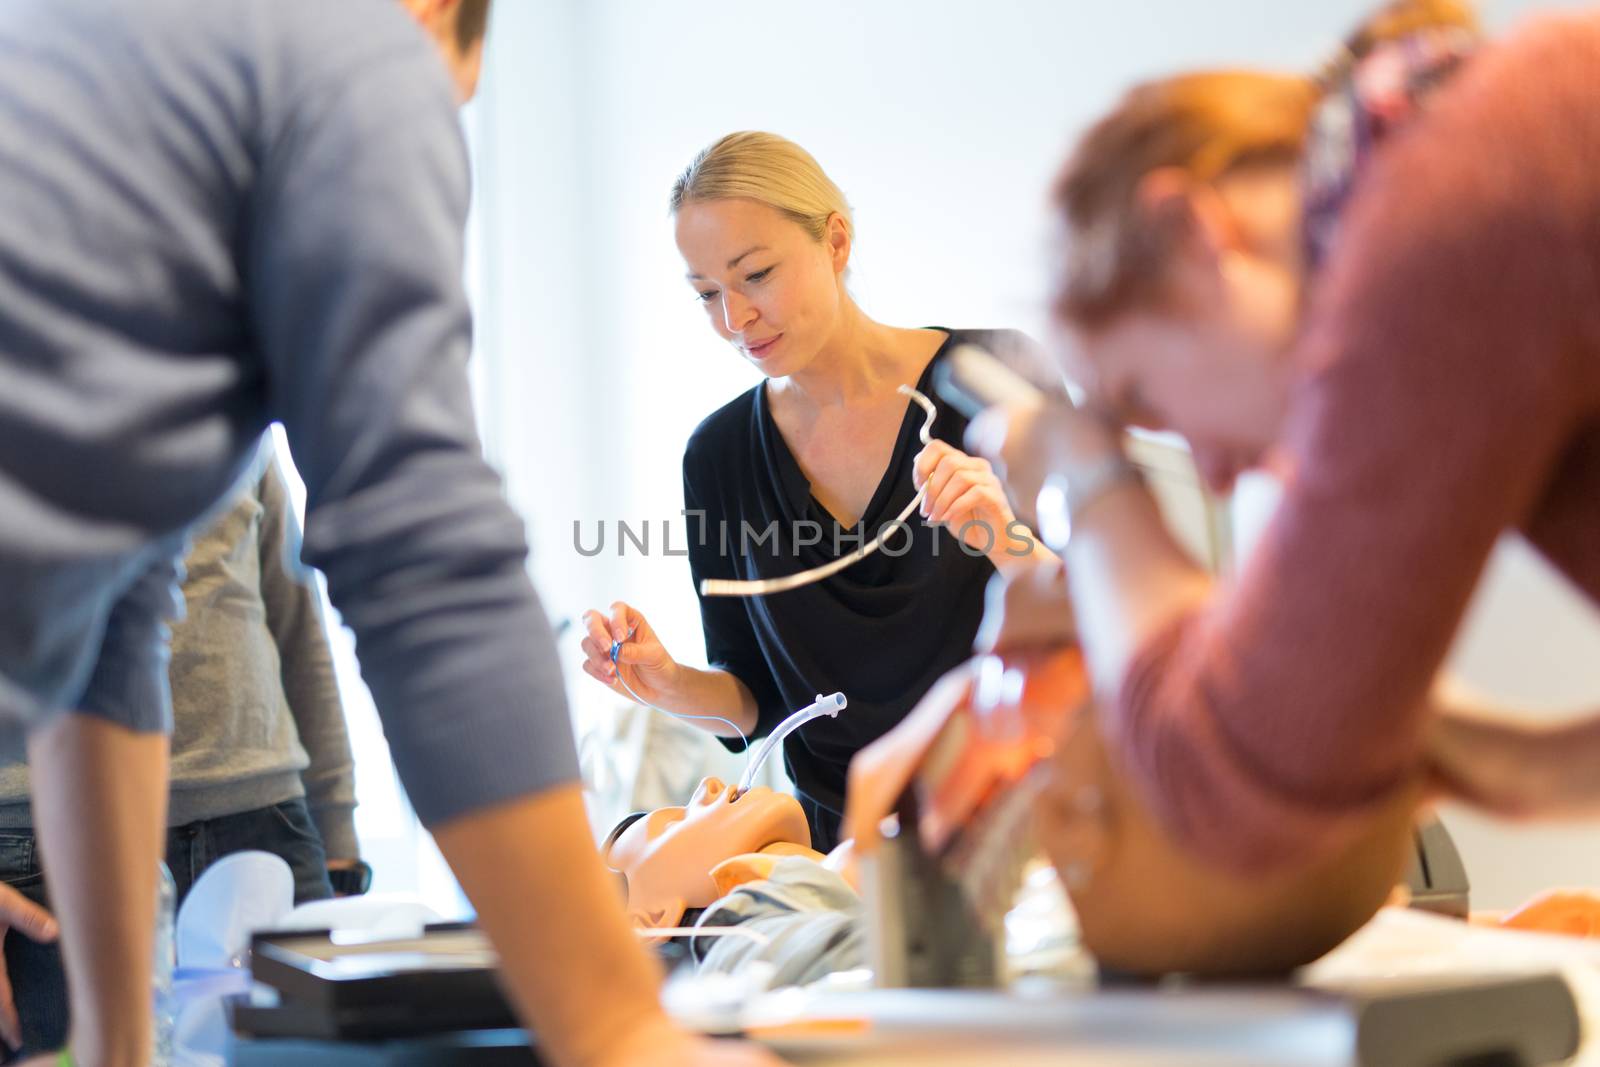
column 804, row 468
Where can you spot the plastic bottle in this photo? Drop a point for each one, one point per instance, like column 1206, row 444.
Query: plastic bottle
column 164, row 964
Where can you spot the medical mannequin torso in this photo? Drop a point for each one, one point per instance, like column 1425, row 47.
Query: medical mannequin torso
column 1145, row 904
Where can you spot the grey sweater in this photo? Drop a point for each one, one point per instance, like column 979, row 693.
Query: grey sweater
column 256, row 712
column 216, row 215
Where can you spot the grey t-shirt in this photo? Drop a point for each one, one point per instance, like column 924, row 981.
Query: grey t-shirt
column 219, row 214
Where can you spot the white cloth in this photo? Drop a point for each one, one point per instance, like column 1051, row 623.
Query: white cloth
column 807, row 919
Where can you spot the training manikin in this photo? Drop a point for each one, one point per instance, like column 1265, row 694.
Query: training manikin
column 746, row 862
column 1144, row 904
column 744, row 859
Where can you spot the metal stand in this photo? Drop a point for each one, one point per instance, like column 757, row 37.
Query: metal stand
column 921, row 932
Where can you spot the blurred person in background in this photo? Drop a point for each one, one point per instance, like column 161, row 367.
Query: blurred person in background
column 1396, row 310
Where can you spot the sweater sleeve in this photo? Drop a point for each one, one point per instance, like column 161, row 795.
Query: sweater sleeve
column 129, row 683
column 1443, row 355
column 356, row 301
column 294, row 618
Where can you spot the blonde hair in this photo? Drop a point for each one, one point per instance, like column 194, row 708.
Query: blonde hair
column 769, row 169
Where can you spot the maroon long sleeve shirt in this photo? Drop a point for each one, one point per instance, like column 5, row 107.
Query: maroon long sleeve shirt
column 1450, row 391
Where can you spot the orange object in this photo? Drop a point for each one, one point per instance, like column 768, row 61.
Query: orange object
column 1005, row 750
column 1016, row 708
column 1575, row 913
column 801, row 1029
column 976, row 731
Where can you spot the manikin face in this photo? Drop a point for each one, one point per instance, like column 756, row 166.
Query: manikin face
column 667, row 856
column 1209, row 362
column 769, row 289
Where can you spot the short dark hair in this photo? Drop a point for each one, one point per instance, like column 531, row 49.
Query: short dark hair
column 472, row 22
column 617, row 830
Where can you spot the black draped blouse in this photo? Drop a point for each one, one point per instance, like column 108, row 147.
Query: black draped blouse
column 881, row 631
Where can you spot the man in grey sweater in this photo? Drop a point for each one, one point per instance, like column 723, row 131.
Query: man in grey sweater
column 258, row 726
column 220, row 214
column 260, row 754
column 257, row 721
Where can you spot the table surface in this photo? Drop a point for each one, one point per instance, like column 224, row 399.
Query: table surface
column 1266, row 1027
column 1263, row 1027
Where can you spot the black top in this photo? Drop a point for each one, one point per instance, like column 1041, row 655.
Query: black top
column 881, row 631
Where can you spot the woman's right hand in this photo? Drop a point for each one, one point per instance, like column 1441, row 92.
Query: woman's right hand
column 643, row 661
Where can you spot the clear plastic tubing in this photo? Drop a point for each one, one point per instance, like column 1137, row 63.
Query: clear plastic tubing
column 823, row 705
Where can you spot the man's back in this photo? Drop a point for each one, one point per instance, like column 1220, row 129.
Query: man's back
column 137, row 143
column 219, row 214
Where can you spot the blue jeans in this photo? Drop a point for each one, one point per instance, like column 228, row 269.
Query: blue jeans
column 37, row 979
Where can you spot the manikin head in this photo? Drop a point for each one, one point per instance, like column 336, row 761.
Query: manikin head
column 669, row 856
column 765, row 236
column 458, row 28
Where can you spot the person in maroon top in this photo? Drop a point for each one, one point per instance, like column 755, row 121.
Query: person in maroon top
column 1428, row 383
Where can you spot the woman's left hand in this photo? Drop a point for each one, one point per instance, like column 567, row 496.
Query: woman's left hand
column 965, row 495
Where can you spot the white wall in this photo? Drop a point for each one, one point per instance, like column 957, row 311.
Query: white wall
column 943, row 121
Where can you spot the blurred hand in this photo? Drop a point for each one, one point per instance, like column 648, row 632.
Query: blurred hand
column 1509, row 768
column 1026, row 442
column 643, row 661
column 966, row 497
column 18, row 915
column 1027, row 607
column 883, row 770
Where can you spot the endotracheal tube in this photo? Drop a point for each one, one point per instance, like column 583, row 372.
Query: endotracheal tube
column 823, row 705
column 829, row 706
column 766, row 586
